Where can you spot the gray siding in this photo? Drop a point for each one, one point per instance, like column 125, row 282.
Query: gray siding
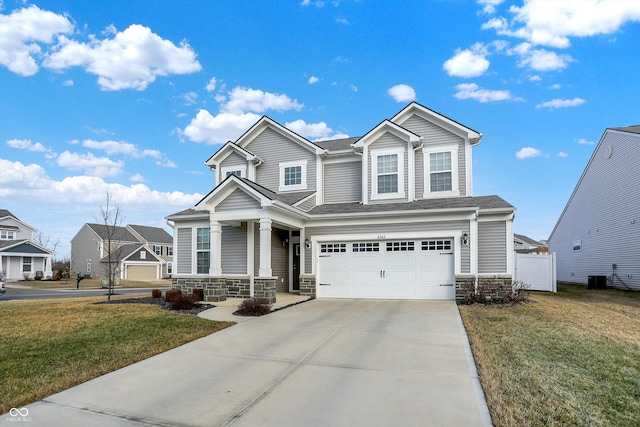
column 343, row 182
column 234, row 249
column 84, row 246
column 444, row 226
column 434, row 134
column 603, row 215
column 388, row 140
column 492, row 247
column 238, row 200
column 273, row 148
column 280, row 260
column 233, row 159
column 183, row 257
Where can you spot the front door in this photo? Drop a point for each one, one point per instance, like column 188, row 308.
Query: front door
column 295, row 282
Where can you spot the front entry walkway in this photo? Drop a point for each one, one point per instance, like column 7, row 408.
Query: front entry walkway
column 323, row 362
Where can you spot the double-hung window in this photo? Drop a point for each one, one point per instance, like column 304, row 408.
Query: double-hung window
column 293, row 176
column 26, row 264
column 203, row 250
column 387, row 177
column 7, row 235
column 441, row 171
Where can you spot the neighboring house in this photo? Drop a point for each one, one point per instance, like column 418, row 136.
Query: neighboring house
column 145, row 253
column 598, row 232
column 386, row 215
column 526, row 245
column 20, row 256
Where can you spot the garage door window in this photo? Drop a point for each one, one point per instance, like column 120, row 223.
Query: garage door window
column 436, row 245
column 366, row 247
column 400, row 246
column 327, row 248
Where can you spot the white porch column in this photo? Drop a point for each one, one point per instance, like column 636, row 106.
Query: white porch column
column 215, row 248
column 265, row 248
column 47, row 267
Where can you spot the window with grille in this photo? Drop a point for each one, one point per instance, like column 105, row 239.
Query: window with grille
column 436, row 245
column 366, row 247
column 203, row 248
column 327, row 248
column 293, row 176
column 400, row 246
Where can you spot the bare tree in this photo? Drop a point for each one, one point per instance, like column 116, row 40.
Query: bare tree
column 111, row 217
column 46, row 241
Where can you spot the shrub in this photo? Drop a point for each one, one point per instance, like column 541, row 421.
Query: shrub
column 172, row 294
column 254, row 307
column 184, row 302
column 199, row 294
column 156, row 293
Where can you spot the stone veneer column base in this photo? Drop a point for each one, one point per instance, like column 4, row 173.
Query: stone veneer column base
column 489, row 288
column 265, row 287
column 218, row 289
column 308, row 285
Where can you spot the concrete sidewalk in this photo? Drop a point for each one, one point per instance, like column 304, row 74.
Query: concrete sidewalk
column 322, row 362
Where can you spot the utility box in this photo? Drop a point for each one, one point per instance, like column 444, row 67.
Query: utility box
column 597, row 282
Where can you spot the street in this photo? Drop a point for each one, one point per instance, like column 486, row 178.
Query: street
column 17, row 292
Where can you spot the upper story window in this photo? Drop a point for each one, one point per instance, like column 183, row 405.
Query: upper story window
column 387, row 174
column 441, row 171
column 169, row 250
column 157, row 249
column 7, row 235
column 239, row 171
column 293, row 176
column 143, row 254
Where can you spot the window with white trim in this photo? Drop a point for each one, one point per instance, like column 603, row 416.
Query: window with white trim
column 143, row 254
column 387, row 174
column 441, row 170
column 239, row 171
column 169, row 268
column 26, row 264
column 203, row 250
column 169, row 250
column 7, row 235
column 157, row 249
column 293, row 176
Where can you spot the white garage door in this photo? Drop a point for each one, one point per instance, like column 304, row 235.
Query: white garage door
column 142, row 272
column 401, row 269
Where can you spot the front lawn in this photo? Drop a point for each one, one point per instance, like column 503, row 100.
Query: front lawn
column 92, row 283
column 47, row 346
column 571, row 358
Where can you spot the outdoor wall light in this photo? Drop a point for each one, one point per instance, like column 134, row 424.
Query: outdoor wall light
column 285, row 243
column 464, row 239
column 307, row 243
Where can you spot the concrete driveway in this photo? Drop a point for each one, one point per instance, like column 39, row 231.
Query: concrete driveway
column 320, row 363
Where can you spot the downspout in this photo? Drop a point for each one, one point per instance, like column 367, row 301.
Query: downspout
column 424, row 178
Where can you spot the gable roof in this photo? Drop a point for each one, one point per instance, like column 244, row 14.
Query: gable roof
column 5, row 213
column 526, row 239
column 219, row 155
column 266, row 122
column 152, row 234
column 630, row 129
column 119, row 233
column 337, row 144
column 438, row 119
column 391, row 127
column 20, row 246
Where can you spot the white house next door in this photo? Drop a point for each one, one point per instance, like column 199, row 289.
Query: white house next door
column 391, row 269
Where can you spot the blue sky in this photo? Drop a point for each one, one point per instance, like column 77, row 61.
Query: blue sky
column 131, row 97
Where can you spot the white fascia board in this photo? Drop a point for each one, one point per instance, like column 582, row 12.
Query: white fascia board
column 387, row 126
column 497, row 212
column 227, row 187
column 408, row 216
column 446, row 123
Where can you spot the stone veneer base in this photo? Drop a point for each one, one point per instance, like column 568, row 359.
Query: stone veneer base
column 216, row 289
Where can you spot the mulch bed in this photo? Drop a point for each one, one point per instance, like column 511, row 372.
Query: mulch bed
column 160, row 302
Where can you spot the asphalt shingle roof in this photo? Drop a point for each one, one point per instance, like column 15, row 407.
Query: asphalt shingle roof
column 4, row 212
column 120, row 233
column 153, row 234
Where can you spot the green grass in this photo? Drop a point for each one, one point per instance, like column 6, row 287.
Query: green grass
column 92, row 284
column 47, row 346
column 572, row 358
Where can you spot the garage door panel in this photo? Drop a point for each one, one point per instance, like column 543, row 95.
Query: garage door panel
column 367, row 292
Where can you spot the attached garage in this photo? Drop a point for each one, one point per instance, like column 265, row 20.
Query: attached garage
column 389, row 269
column 142, row 272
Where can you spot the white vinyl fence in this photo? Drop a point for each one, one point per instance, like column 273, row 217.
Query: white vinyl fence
column 537, row 271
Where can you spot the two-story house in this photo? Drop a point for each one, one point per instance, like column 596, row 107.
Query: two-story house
column 20, row 256
column 141, row 252
column 390, row 214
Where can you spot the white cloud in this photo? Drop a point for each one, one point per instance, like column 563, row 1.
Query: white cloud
column 402, row 93
column 166, row 163
column 219, row 129
column 26, row 144
column 468, row 63
column 316, row 3
column 343, row 21
column 555, row 86
column 540, row 59
column 489, row 5
column 551, row 23
column 583, row 141
column 528, row 152
column 190, row 98
column 563, row 154
column 20, row 33
column 309, row 130
column 137, row 178
column 89, row 164
column 211, row 85
column 561, row 103
column 313, row 80
column 132, row 59
column 120, row 147
column 535, row 78
column 242, row 100
column 473, row 91
column 67, row 83
column 16, row 177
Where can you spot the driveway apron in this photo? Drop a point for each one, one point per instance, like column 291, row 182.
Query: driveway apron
column 320, row 363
